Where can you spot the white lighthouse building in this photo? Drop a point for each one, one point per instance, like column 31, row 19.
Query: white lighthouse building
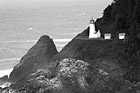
column 92, row 32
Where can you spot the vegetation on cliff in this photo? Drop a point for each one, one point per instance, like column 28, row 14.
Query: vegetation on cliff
column 72, row 76
column 124, row 16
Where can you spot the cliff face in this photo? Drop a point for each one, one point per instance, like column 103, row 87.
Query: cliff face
column 36, row 57
column 124, row 16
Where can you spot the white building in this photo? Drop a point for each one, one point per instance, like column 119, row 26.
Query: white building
column 121, row 35
column 107, row 36
column 92, row 32
column 99, row 33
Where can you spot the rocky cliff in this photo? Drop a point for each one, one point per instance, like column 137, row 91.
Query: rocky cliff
column 36, row 57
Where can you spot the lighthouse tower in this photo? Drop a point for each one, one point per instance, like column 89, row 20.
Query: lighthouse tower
column 92, row 32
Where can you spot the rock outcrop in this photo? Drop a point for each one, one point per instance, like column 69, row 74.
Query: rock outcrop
column 3, row 79
column 73, row 76
column 36, row 57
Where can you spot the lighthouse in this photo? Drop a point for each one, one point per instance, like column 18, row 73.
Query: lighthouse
column 92, row 32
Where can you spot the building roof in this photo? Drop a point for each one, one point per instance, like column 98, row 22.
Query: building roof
column 122, row 34
column 107, row 34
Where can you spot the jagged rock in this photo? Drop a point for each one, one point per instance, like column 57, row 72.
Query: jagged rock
column 73, row 76
column 36, row 57
column 3, row 79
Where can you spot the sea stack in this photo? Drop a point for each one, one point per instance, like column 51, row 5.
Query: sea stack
column 35, row 58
